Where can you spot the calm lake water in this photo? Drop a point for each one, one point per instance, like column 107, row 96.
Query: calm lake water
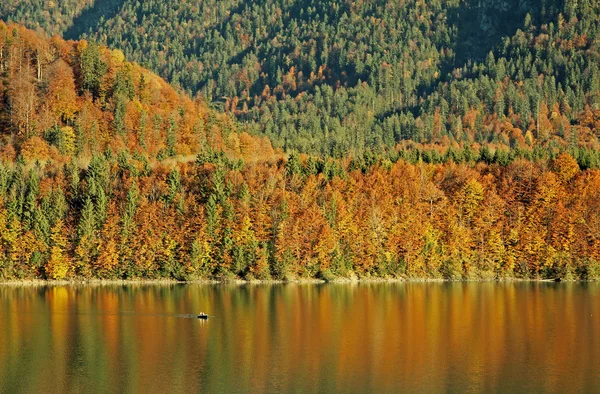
column 403, row 337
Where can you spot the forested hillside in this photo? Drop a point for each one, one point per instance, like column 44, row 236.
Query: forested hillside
column 490, row 172
column 66, row 100
column 332, row 77
column 75, row 118
column 107, row 172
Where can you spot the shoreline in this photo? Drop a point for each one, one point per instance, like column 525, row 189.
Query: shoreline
column 242, row 282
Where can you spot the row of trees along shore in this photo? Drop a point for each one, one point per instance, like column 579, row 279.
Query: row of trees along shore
column 300, row 218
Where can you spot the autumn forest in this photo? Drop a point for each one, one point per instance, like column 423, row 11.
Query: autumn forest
column 279, row 152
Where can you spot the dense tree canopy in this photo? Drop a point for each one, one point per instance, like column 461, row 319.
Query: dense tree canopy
column 330, row 76
column 485, row 170
column 301, row 218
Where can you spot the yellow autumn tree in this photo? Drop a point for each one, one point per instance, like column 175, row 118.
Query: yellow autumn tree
column 58, row 265
column 470, row 198
column 108, row 245
column 565, row 167
column 35, row 148
column 3, row 242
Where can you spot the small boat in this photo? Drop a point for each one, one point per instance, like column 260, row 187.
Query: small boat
column 202, row 316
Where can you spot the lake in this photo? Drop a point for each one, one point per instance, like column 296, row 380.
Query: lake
column 367, row 337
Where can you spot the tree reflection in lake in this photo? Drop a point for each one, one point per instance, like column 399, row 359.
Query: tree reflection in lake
column 413, row 337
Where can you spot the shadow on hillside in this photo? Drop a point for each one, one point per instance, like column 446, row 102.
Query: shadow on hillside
column 482, row 25
column 102, row 10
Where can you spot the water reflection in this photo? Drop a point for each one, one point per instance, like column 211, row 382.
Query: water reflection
column 409, row 337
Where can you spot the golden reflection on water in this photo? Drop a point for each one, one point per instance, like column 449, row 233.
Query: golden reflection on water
column 409, row 337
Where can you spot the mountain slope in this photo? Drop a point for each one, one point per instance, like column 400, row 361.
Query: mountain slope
column 327, row 76
column 77, row 99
